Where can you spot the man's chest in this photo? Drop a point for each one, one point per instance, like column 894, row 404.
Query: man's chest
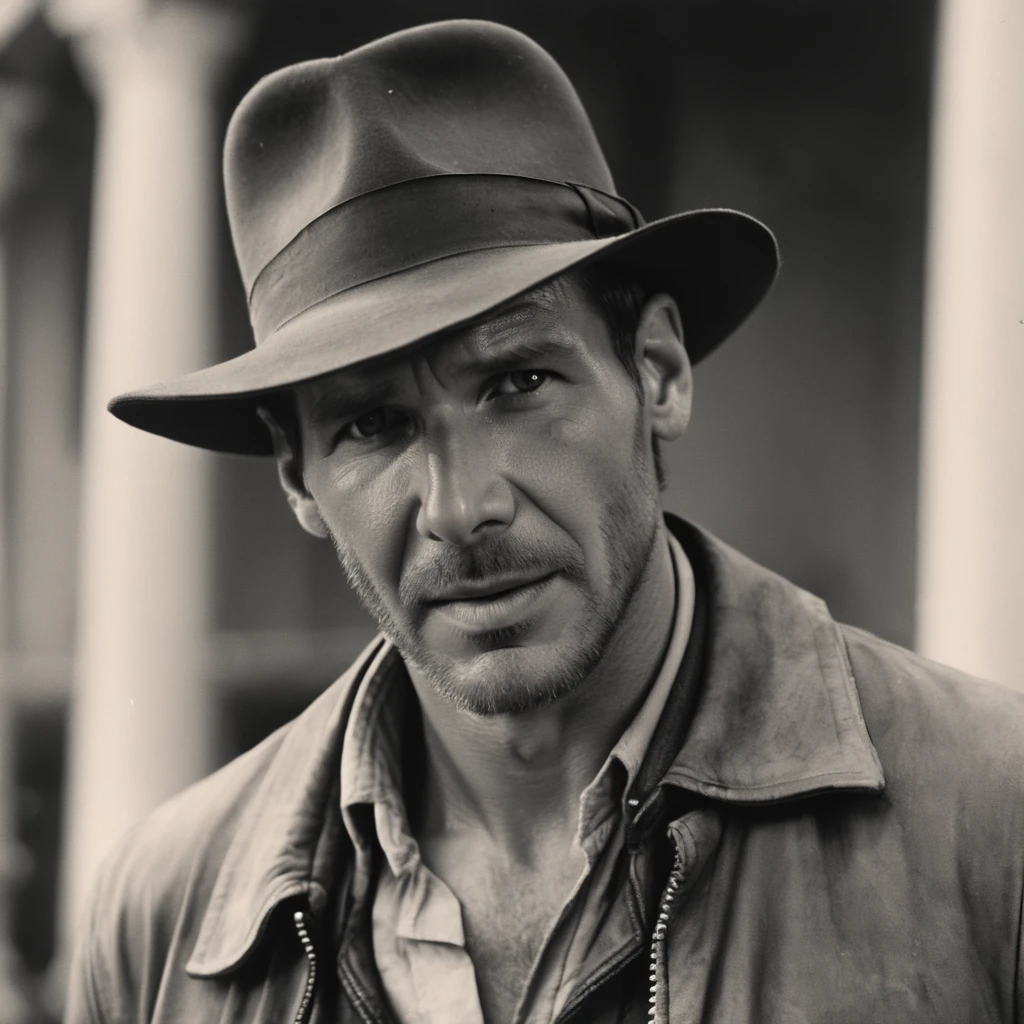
column 517, row 920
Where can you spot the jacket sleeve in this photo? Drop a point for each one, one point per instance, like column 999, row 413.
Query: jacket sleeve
column 105, row 977
column 88, row 980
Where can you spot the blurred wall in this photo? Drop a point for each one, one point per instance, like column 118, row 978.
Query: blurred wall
column 803, row 451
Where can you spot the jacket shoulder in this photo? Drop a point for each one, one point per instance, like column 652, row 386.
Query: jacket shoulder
column 948, row 828
column 189, row 829
column 153, row 887
column 933, row 723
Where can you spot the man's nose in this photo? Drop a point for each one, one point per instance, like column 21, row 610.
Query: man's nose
column 463, row 498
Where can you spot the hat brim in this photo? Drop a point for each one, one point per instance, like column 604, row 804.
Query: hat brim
column 717, row 264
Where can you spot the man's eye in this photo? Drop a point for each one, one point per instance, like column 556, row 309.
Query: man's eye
column 370, row 424
column 520, row 382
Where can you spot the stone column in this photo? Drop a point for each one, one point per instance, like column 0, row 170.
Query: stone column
column 141, row 709
column 971, row 549
column 16, row 998
column 21, row 106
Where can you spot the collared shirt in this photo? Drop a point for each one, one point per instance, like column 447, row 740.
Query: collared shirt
column 418, row 938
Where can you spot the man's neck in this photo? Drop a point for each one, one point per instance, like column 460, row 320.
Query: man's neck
column 518, row 778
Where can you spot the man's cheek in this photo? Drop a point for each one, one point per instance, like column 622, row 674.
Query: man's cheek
column 565, row 430
column 589, row 446
column 366, row 524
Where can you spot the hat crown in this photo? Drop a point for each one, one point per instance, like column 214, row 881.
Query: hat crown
column 455, row 97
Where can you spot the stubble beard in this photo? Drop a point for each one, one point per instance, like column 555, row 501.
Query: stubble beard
column 629, row 529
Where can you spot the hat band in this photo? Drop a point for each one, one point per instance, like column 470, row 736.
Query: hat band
column 414, row 222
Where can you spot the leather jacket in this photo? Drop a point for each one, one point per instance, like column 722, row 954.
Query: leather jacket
column 832, row 829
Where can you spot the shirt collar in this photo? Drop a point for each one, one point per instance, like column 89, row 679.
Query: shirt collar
column 609, row 787
column 371, row 761
column 632, row 745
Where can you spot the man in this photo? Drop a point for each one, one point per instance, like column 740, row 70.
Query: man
column 599, row 767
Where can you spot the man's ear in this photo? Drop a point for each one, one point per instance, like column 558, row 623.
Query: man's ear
column 289, row 472
column 665, row 370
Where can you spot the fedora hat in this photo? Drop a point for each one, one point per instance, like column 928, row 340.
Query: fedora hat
column 410, row 186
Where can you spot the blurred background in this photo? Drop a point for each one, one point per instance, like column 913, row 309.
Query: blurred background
column 160, row 611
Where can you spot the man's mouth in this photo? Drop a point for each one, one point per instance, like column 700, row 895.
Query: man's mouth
column 488, row 589
column 492, row 604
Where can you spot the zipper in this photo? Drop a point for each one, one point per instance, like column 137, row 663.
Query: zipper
column 657, row 954
column 307, row 945
column 675, row 879
column 359, row 999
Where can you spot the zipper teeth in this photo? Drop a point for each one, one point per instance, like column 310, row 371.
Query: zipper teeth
column 307, row 945
column 358, row 996
column 660, row 929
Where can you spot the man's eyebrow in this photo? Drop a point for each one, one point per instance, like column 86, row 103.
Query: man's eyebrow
column 498, row 354
column 512, row 353
column 350, row 399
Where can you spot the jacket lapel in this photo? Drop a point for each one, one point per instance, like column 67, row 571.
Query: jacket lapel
column 288, row 844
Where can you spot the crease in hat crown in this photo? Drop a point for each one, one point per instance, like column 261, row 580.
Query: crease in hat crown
column 456, row 97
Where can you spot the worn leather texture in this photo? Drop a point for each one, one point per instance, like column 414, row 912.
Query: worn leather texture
column 848, row 820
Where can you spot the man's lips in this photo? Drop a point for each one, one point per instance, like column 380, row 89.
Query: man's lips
column 488, row 589
column 495, row 604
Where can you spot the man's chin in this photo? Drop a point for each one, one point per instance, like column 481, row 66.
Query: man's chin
column 505, row 679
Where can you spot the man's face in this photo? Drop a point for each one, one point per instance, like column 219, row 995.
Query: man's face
column 492, row 498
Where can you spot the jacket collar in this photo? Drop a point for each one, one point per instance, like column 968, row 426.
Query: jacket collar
column 290, row 839
column 774, row 715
